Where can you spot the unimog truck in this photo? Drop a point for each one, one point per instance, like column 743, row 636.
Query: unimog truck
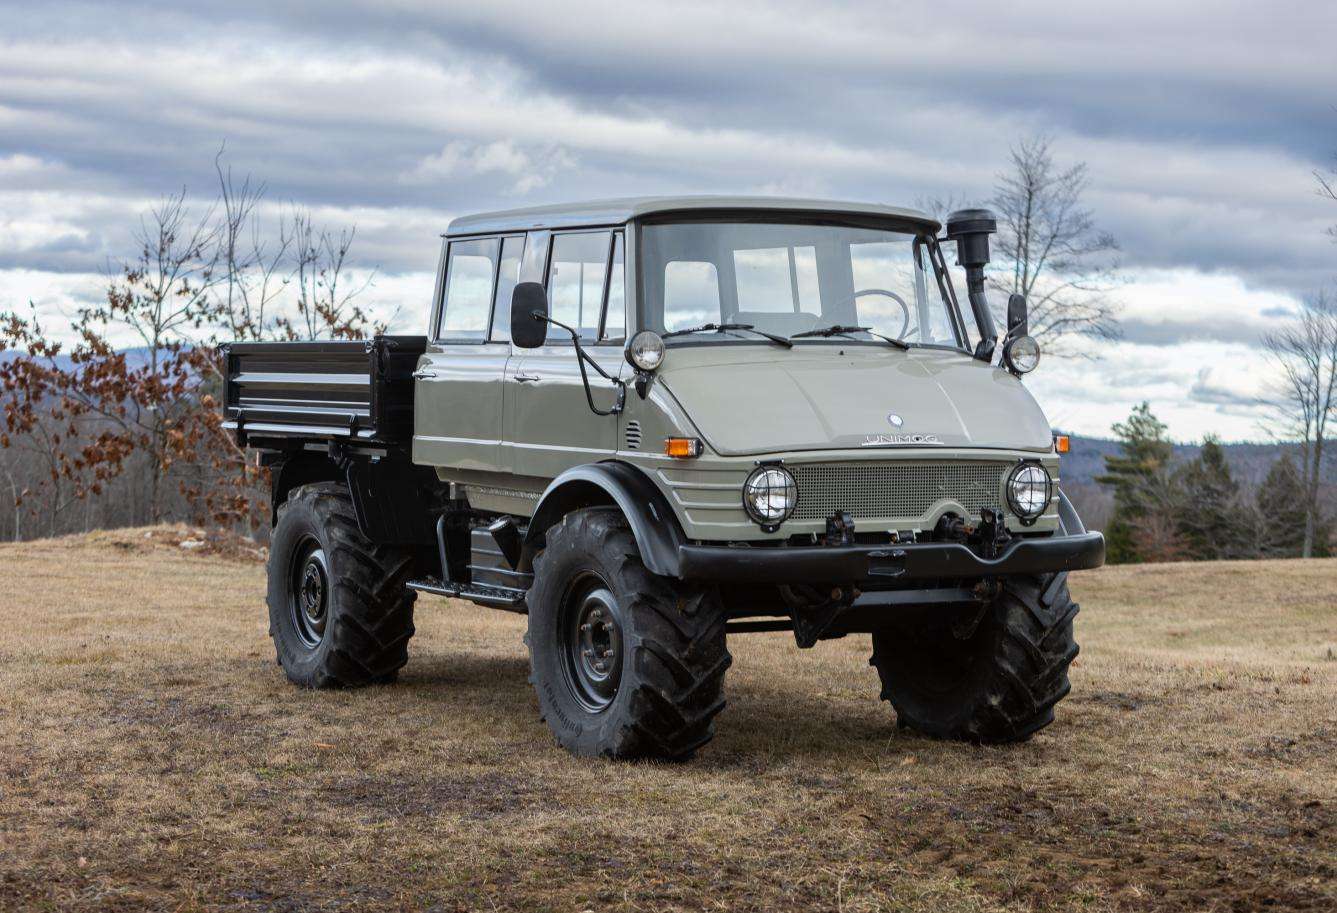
column 652, row 424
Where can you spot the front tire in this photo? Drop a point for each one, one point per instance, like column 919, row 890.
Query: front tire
column 995, row 679
column 339, row 611
column 626, row 664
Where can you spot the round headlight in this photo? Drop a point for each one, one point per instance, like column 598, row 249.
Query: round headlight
column 1028, row 490
column 769, row 496
column 646, row 351
column 1022, row 354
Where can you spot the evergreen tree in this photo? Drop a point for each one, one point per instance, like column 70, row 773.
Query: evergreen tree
column 1138, row 476
column 1212, row 519
column 1281, row 511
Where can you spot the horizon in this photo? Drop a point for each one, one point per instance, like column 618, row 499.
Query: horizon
column 1201, row 155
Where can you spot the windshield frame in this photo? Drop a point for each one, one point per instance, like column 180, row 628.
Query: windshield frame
column 925, row 244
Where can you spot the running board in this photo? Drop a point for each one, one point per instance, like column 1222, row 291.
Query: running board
column 497, row 597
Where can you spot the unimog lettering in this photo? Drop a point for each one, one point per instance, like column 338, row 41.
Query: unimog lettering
column 650, row 425
column 882, row 440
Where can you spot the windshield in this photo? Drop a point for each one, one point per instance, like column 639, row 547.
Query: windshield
column 789, row 279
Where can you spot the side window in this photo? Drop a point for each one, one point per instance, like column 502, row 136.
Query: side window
column 615, row 317
column 691, row 294
column 576, row 282
column 508, row 276
column 471, row 268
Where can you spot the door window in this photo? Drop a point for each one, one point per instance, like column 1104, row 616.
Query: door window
column 471, row 270
column 508, row 276
column 576, row 276
column 615, row 315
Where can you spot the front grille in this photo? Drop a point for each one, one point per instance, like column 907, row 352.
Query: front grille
column 904, row 490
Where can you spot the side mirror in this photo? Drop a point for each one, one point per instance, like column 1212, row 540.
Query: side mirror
column 1017, row 324
column 528, row 330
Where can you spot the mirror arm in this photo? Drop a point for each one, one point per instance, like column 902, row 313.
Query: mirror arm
column 581, row 358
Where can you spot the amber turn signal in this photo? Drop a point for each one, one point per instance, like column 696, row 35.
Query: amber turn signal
column 1060, row 443
column 682, row 448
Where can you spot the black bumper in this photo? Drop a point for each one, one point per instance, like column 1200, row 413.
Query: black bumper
column 890, row 564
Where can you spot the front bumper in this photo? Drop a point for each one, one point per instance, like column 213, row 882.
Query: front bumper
column 887, row 564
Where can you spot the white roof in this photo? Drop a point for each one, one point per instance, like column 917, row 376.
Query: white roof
column 618, row 211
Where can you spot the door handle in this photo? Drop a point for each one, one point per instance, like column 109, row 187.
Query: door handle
column 424, row 375
column 526, row 378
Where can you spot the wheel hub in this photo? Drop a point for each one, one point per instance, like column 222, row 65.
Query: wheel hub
column 593, row 647
column 309, row 593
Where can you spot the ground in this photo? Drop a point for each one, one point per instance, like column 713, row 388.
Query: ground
column 152, row 756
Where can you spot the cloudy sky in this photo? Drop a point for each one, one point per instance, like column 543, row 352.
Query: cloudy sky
column 1202, row 124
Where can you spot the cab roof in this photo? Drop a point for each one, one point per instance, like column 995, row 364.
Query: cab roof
column 618, row 211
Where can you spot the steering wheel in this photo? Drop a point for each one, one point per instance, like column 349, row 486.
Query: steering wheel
column 905, row 308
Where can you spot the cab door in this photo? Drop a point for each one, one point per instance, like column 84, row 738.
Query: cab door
column 550, row 427
column 458, row 415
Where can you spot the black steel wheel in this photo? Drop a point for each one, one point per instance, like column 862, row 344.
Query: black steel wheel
column 592, row 639
column 991, row 677
column 309, row 591
column 626, row 664
column 339, row 611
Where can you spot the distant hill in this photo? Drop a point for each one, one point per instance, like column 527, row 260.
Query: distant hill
column 1249, row 462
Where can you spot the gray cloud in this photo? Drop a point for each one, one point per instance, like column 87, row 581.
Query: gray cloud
column 1181, row 114
column 1201, row 122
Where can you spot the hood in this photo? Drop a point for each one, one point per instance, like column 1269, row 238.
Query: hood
column 755, row 399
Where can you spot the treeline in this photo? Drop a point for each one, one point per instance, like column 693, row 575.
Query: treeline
column 1195, row 510
column 98, row 432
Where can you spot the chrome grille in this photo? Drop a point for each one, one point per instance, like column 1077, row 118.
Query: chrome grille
column 895, row 490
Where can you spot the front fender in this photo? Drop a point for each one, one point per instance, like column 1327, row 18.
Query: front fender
column 658, row 534
column 1069, row 523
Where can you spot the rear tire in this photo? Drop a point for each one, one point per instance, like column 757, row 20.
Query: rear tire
column 339, row 611
column 996, row 683
column 626, row 664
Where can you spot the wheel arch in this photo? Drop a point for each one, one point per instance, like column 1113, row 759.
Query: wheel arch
column 611, row 484
column 390, row 496
column 301, row 468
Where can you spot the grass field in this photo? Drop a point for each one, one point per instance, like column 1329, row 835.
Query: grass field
column 152, row 756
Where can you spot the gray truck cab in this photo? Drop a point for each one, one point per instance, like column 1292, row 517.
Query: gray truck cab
column 652, row 423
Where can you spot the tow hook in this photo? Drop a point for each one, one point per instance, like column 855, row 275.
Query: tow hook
column 813, row 611
column 840, row 528
column 991, row 533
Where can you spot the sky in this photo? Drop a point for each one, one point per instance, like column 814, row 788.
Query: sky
column 1201, row 124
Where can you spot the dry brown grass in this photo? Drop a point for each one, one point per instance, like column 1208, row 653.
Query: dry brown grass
column 152, row 756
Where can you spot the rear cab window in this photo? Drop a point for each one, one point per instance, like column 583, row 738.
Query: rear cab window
column 481, row 274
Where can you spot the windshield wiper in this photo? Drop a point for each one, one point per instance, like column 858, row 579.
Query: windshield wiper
column 724, row 327
column 839, row 330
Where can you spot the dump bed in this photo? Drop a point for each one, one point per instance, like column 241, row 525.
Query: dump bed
column 355, row 391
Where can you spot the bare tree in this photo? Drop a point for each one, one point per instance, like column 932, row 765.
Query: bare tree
column 1327, row 189
column 1055, row 254
column 15, row 497
column 86, row 419
column 251, row 264
column 324, row 299
column 1306, row 396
